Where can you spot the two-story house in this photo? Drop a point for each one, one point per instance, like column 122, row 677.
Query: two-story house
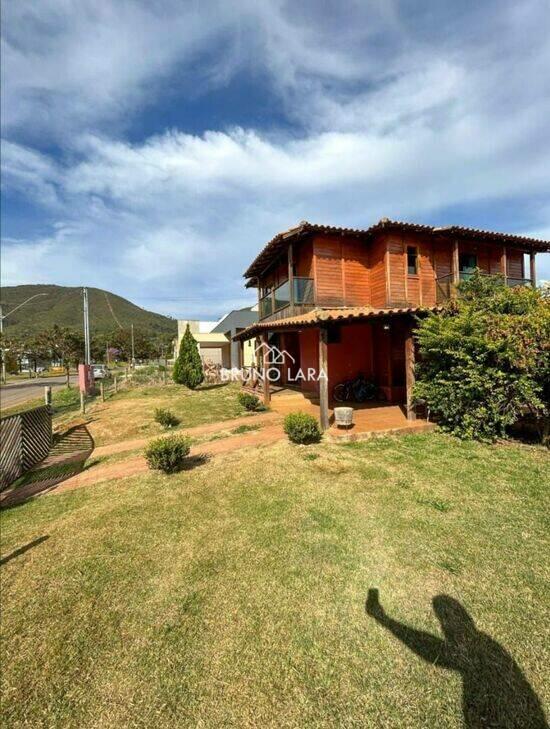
column 342, row 301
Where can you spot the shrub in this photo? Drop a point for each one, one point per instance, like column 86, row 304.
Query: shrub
column 302, row 428
column 250, row 402
column 188, row 369
column 485, row 360
column 165, row 418
column 168, row 454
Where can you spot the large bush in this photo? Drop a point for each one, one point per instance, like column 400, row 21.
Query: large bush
column 188, row 368
column 485, row 360
column 168, row 454
column 302, row 428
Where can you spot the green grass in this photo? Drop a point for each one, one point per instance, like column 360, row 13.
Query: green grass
column 66, row 402
column 234, row 594
column 131, row 413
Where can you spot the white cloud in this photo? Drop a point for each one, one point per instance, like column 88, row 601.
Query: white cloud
column 395, row 117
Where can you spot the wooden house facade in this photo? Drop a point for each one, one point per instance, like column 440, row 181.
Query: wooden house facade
column 343, row 301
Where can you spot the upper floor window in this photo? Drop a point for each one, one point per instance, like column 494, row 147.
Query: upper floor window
column 412, row 260
column 468, row 262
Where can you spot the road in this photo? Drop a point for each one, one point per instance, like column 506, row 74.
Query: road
column 16, row 393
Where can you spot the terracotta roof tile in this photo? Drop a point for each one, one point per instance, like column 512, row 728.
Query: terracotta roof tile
column 279, row 242
column 315, row 317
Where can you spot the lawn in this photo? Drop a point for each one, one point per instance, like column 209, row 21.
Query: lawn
column 234, row 594
column 130, row 413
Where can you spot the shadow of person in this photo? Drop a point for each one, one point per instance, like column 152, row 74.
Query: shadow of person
column 495, row 693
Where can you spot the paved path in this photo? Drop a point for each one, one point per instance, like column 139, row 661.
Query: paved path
column 20, row 391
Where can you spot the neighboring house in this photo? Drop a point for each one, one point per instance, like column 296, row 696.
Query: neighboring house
column 215, row 348
column 215, row 338
column 242, row 352
column 344, row 301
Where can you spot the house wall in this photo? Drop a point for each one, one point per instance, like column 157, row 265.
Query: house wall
column 341, row 271
column 365, row 348
column 350, row 271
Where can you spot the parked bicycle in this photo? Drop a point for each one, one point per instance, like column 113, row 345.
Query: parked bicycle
column 359, row 389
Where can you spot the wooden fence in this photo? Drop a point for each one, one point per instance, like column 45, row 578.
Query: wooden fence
column 25, row 439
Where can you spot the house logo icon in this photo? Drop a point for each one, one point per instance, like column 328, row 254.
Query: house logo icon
column 275, row 355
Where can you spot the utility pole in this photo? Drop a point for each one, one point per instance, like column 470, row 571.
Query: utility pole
column 2, row 353
column 133, row 353
column 86, row 327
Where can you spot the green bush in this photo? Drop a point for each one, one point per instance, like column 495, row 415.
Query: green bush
column 250, row 402
column 302, row 428
column 168, row 454
column 485, row 360
column 188, row 369
column 166, row 418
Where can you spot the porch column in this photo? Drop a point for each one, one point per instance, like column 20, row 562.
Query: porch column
column 533, row 268
column 455, row 263
column 291, row 277
column 409, row 373
column 504, row 264
column 323, row 381
column 265, row 364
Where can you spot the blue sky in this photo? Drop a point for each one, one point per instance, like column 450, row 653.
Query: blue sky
column 151, row 149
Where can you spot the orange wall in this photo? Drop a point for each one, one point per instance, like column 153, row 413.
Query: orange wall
column 349, row 271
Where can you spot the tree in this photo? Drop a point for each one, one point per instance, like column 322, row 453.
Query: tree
column 66, row 345
column 485, row 360
column 188, row 366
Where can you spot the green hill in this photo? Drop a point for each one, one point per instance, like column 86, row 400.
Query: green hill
column 62, row 305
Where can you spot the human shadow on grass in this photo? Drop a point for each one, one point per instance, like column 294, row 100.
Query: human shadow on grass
column 22, row 550
column 495, row 693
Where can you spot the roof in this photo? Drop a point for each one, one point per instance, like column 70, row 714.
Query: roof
column 237, row 319
column 279, row 243
column 315, row 317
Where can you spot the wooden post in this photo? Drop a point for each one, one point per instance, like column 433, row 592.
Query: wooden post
column 323, row 378
column 503, row 263
column 48, row 396
column 102, row 391
column 533, row 268
column 82, row 402
column 115, row 383
column 165, row 371
column 455, row 263
column 265, row 365
column 291, row 278
column 409, row 373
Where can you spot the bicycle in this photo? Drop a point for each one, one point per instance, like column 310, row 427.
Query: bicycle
column 358, row 389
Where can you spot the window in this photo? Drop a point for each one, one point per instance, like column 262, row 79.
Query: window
column 468, row 262
column 412, row 260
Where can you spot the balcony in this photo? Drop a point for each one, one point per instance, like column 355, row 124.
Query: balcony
column 445, row 288
column 279, row 298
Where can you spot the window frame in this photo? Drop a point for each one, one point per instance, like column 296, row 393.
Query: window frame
column 413, row 251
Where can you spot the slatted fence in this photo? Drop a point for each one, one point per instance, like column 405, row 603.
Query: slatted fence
column 25, row 439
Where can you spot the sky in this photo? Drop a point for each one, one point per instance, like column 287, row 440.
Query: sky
column 152, row 149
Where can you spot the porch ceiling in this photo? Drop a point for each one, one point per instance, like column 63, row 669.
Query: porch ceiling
column 316, row 317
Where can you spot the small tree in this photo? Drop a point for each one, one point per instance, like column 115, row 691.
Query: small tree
column 64, row 344
column 485, row 360
column 188, row 366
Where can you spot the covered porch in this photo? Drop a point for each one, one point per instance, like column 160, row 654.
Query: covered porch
column 307, row 356
column 369, row 419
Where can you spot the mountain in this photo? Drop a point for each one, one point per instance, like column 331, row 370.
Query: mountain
column 62, row 305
